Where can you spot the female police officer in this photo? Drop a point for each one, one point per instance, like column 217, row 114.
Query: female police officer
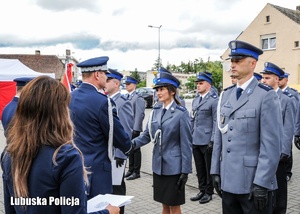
column 170, row 131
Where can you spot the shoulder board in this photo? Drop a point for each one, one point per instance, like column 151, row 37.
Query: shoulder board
column 181, row 108
column 214, row 95
column 157, row 105
column 232, row 86
column 124, row 98
column 265, row 87
column 287, row 94
column 294, row 90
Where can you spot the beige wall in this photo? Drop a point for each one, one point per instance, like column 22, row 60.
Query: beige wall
column 285, row 55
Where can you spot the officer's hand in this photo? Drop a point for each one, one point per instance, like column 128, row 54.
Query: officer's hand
column 210, row 147
column 135, row 134
column 182, row 181
column 119, row 162
column 131, row 150
column 113, row 209
column 284, row 157
column 297, row 141
column 260, row 197
column 217, row 184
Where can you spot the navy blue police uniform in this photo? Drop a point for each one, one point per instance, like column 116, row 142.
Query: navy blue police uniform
column 47, row 182
column 95, row 117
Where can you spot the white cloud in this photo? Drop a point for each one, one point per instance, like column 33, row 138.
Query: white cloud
column 119, row 29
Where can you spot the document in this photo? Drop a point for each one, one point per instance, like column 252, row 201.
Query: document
column 100, row 202
column 117, row 173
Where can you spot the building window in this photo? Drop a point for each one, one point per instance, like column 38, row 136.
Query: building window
column 296, row 44
column 267, row 18
column 268, row 41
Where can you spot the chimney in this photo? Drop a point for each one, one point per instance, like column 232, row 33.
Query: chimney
column 298, row 8
column 68, row 52
column 37, row 52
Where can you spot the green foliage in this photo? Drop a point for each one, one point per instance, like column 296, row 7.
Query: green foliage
column 198, row 65
column 135, row 75
column 141, row 84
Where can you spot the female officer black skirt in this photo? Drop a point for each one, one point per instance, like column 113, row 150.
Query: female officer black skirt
column 166, row 190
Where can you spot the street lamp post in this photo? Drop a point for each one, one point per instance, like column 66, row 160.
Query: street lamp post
column 158, row 27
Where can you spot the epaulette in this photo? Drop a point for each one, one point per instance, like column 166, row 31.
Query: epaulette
column 123, row 97
column 181, row 108
column 232, row 86
column 287, row 94
column 294, row 90
column 264, row 86
column 214, row 95
column 157, row 105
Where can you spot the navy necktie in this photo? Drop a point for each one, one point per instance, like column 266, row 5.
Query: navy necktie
column 200, row 99
column 163, row 112
column 238, row 93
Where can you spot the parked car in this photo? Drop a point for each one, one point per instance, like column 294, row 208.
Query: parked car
column 147, row 93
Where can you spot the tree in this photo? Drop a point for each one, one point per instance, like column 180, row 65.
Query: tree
column 135, row 74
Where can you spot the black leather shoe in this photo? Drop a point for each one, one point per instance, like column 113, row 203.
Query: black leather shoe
column 205, row 199
column 197, row 197
column 133, row 176
column 128, row 174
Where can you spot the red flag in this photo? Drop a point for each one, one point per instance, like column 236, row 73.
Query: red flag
column 67, row 79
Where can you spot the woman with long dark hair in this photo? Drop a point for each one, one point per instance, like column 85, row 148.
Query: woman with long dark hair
column 43, row 170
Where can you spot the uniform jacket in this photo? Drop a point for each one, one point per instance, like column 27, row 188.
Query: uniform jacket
column 125, row 113
column 248, row 153
column 174, row 154
column 203, row 118
column 8, row 112
column 89, row 113
column 296, row 95
column 46, row 179
column 288, row 110
column 138, row 105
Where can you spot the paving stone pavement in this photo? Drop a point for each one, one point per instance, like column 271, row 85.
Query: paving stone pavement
column 142, row 188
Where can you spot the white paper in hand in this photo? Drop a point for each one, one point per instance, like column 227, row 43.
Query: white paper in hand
column 100, row 202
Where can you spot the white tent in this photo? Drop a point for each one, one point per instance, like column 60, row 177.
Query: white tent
column 13, row 68
column 9, row 70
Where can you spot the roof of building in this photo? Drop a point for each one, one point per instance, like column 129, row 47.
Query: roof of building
column 39, row 63
column 292, row 14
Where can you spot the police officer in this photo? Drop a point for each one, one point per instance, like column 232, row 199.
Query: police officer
column 258, row 76
column 126, row 117
column 203, row 122
column 10, row 109
column 247, row 143
column 271, row 75
column 169, row 130
column 97, row 126
column 138, row 105
column 233, row 79
column 283, row 84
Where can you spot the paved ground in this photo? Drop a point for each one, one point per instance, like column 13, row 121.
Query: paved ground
column 142, row 188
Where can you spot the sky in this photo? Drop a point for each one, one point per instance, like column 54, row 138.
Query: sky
column 190, row 29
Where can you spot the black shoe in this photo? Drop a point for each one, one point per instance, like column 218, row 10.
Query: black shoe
column 197, row 197
column 288, row 178
column 205, row 199
column 133, row 176
column 128, row 174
